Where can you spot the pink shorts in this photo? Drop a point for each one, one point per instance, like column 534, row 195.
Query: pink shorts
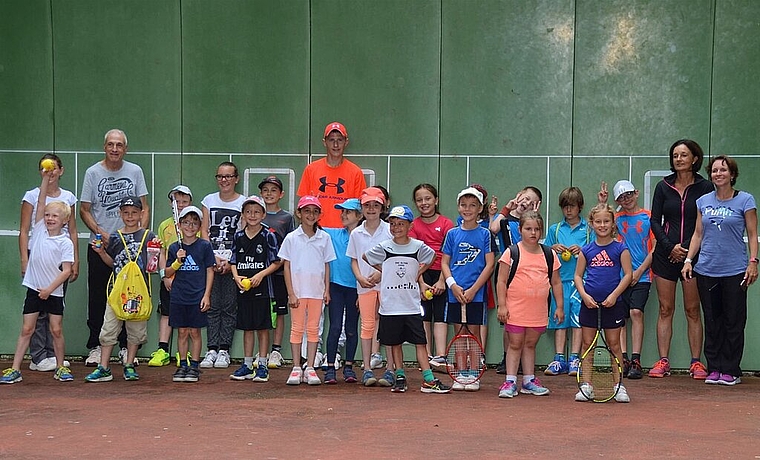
column 511, row 328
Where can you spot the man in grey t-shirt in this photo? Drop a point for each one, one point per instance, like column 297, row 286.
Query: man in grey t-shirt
column 105, row 184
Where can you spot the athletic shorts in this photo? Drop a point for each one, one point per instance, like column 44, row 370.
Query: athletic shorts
column 612, row 318
column 164, row 301
column 572, row 307
column 512, row 329
column 280, row 294
column 636, row 296
column 663, row 268
column 254, row 314
column 33, row 304
column 434, row 310
column 189, row 316
column 397, row 329
column 476, row 313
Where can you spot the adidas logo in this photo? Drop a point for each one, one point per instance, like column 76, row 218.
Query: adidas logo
column 601, row 260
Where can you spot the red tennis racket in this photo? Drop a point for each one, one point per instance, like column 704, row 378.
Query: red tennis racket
column 465, row 358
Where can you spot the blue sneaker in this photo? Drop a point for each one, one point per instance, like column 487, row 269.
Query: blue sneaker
column 387, row 380
column 575, row 363
column 368, row 378
column 558, row 366
column 130, row 373
column 100, row 374
column 262, row 374
column 63, row 374
column 330, row 376
column 508, row 389
column 534, row 387
column 242, row 373
column 349, row 375
column 10, row 376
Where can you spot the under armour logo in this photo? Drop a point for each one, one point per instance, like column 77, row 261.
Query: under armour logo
column 338, row 185
column 639, row 227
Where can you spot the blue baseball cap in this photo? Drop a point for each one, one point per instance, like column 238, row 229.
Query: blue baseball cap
column 351, row 204
column 401, row 212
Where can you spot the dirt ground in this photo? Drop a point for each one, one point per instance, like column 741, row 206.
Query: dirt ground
column 673, row 417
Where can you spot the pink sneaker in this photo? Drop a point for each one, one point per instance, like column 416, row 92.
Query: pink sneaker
column 660, row 369
column 697, row 371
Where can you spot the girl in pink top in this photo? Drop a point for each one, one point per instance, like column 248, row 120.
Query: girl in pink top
column 431, row 228
column 523, row 304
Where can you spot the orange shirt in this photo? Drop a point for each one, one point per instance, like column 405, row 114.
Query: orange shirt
column 331, row 186
column 527, row 295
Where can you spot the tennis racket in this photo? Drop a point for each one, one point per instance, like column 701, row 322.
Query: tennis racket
column 600, row 371
column 175, row 214
column 465, row 358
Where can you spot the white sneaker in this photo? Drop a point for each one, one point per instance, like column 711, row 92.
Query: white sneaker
column 209, row 359
column 376, row 361
column 456, row 386
column 93, row 357
column 222, row 359
column 295, row 376
column 45, row 365
column 275, row 360
column 622, row 394
column 586, row 393
column 473, row 386
column 318, row 358
column 338, row 362
column 311, row 377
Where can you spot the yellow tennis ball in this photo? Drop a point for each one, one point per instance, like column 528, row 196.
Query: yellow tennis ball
column 566, row 255
column 246, row 283
column 428, row 294
column 48, row 164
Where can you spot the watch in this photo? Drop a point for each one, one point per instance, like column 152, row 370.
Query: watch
column 754, row 260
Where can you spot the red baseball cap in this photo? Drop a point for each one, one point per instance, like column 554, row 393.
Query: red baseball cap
column 309, row 200
column 372, row 194
column 335, row 126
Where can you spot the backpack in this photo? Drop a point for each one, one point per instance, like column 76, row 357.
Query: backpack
column 514, row 255
column 129, row 295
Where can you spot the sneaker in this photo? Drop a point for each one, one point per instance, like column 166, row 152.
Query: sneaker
column 635, row 372
column 434, row 386
column 319, row 358
column 100, row 374
column 387, row 380
column 192, row 374
column 45, row 365
column 179, row 361
column 457, row 386
column 311, row 377
column 472, row 386
column 376, row 361
column 502, row 367
column 93, row 357
column 209, row 359
column 572, row 368
column 399, row 384
column 63, row 374
column 10, row 376
column 349, row 376
column 712, row 378
column 534, row 387
column 180, row 374
column 697, row 371
column 730, row 380
column 222, row 360
column 438, row 364
column 159, row 358
column 585, row 393
column 275, row 360
column 262, row 374
column 626, row 367
column 130, row 373
column 508, row 389
column 295, row 376
column 556, row 367
column 330, row 376
column 660, row 369
column 622, row 395
column 368, row 378
column 242, row 373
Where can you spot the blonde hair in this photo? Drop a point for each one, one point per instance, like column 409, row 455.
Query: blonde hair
column 61, row 208
column 601, row 208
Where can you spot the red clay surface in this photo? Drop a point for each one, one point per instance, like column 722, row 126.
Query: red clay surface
column 220, row 418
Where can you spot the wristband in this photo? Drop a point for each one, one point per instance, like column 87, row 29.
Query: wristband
column 687, row 260
column 162, row 273
column 176, row 265
column 450, row 281
column 754, row 260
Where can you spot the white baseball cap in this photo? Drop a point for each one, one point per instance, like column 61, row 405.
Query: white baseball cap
column 471, row 191
column 622, row 186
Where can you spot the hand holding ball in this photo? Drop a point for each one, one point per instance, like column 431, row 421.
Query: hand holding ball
column 48, row 164
column 428, row 294
column 566, row 255
column 246, row 283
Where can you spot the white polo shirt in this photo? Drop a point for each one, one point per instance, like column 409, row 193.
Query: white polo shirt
column 307, row 257
column 362, row 241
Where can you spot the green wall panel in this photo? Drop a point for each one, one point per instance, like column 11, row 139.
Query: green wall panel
column 375, row 67
column 117, row 65
column 26, row 61
column 245, row 76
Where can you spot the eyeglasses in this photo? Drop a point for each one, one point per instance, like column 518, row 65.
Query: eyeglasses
column 225, row 176
column 626, row 196
column 190, row 223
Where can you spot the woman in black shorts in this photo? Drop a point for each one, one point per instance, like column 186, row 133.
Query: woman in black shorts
column 674, row 214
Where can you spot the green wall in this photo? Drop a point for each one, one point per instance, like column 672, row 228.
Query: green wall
column 503, row 93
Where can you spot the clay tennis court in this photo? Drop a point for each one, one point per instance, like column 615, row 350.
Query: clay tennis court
column 674, row 417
